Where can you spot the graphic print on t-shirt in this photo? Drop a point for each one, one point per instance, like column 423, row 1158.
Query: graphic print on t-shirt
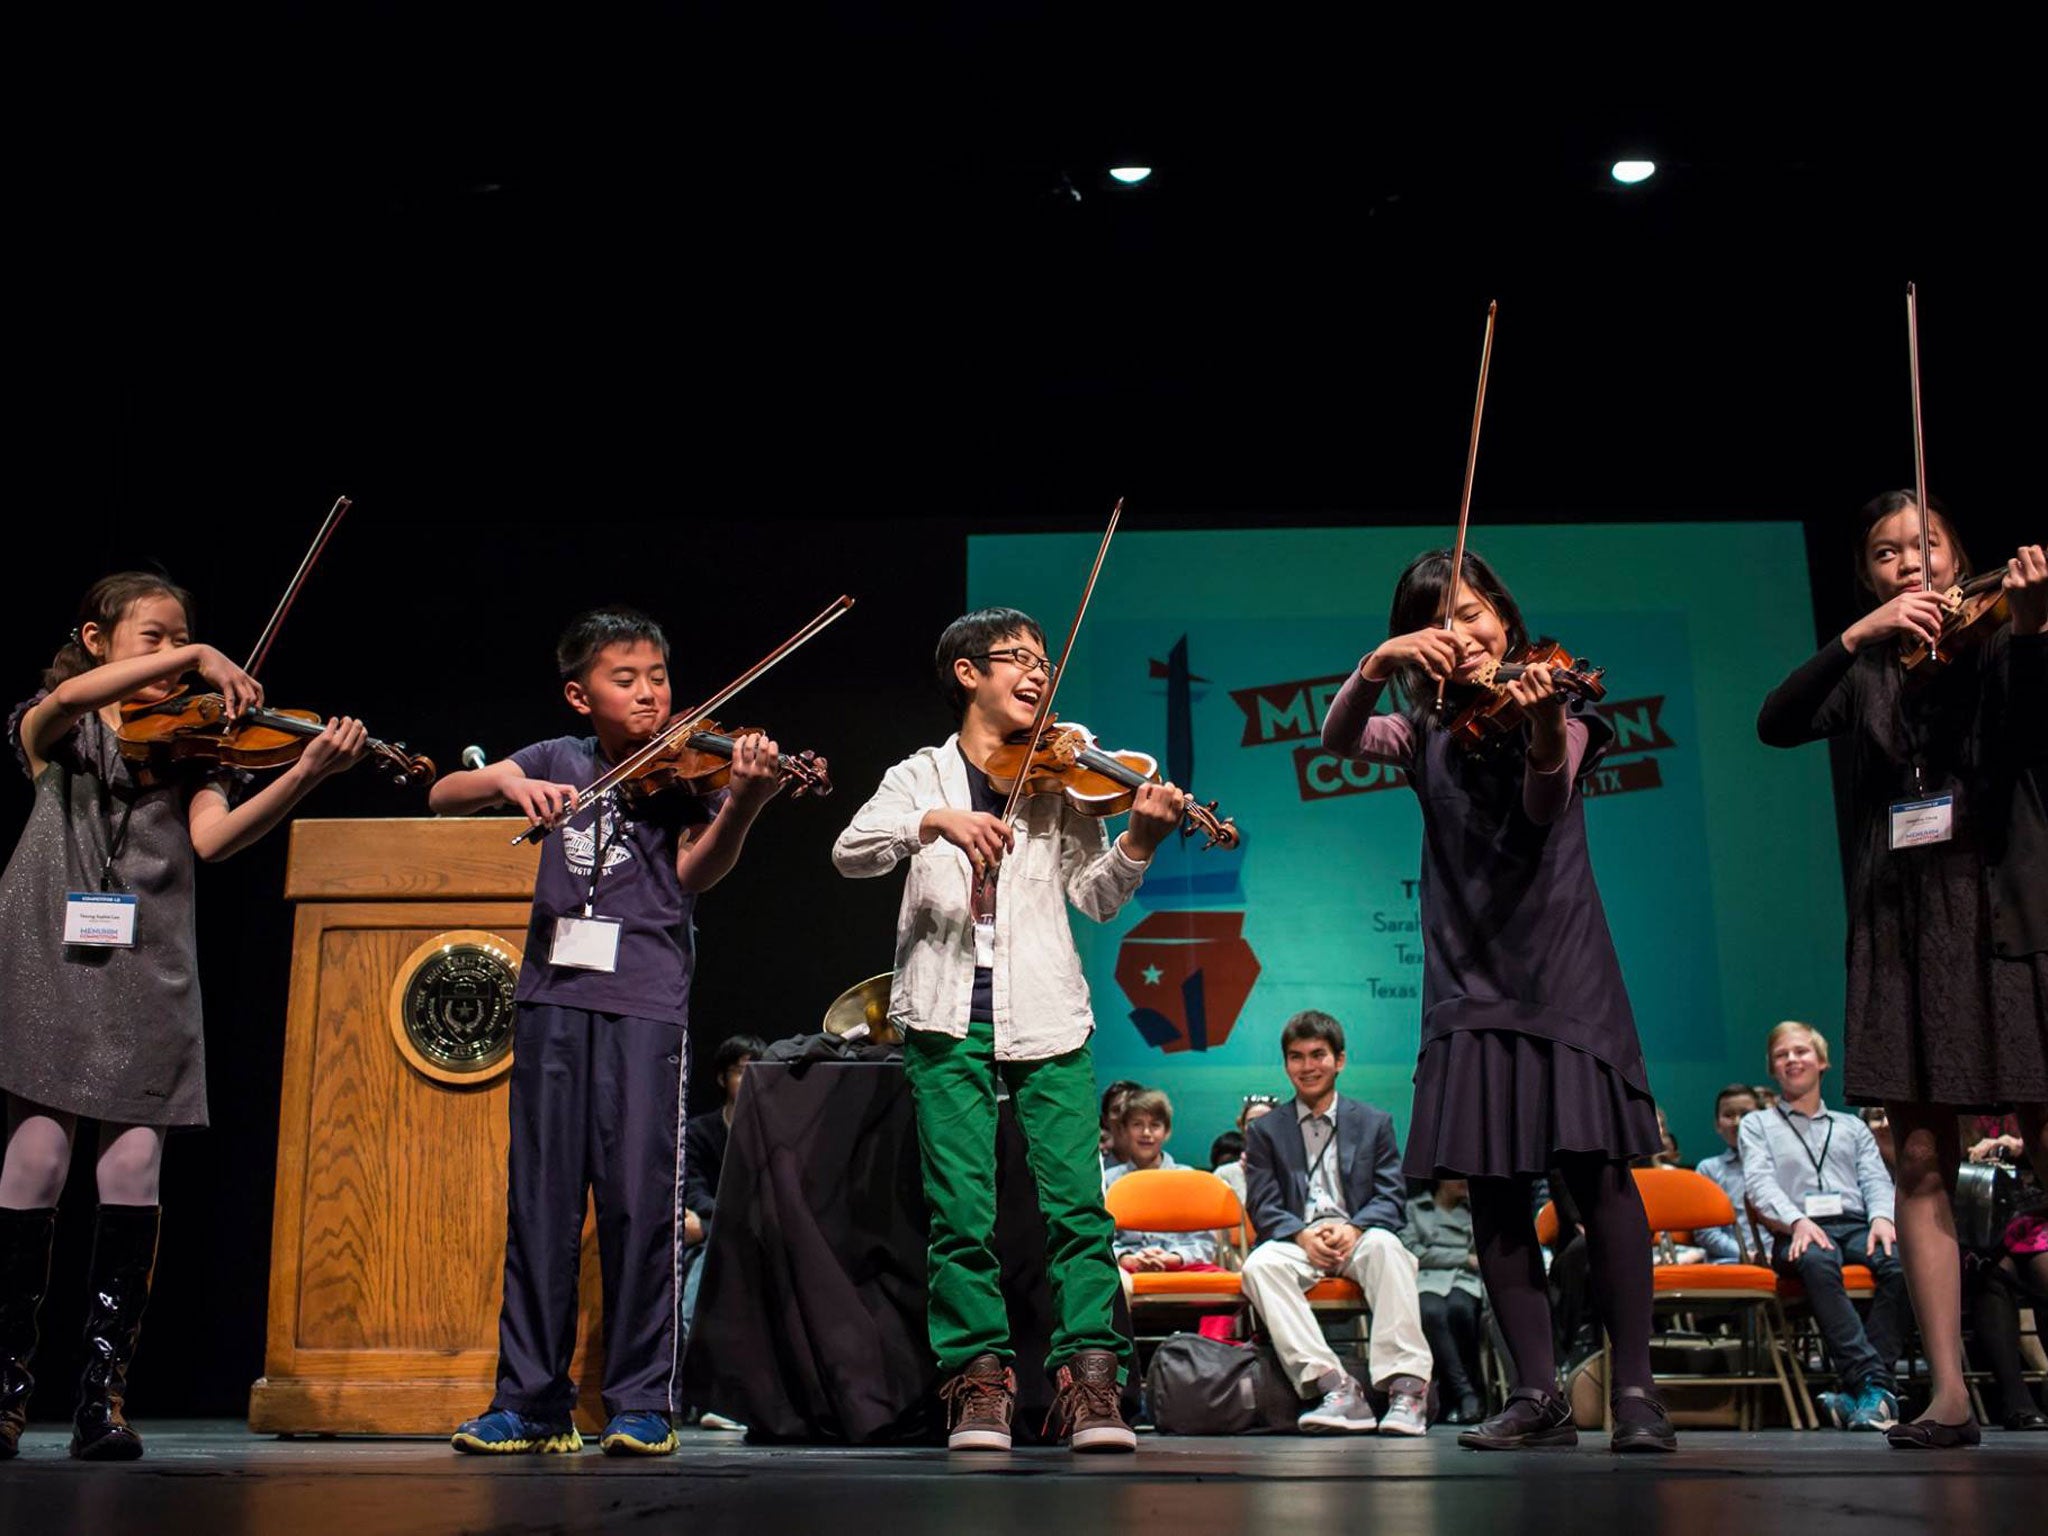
column 579, row 844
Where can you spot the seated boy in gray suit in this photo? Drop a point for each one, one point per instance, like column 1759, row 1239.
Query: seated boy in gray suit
column 1323, row 1189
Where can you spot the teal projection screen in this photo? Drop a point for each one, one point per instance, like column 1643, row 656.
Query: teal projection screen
column 1716, row 856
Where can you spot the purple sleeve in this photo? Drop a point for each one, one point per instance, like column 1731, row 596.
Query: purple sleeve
column 63, row 751
column 1545, row 795
column 1351, row 729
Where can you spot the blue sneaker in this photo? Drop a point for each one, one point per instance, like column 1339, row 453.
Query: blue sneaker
column 639, row 1434
column 501, row 1432
column 1835, row 1408
column 1874, row 1408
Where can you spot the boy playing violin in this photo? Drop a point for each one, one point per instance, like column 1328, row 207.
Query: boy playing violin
column 1004, row 998
column 601, row 1049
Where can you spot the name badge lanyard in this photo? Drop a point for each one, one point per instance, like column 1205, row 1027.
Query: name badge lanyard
column 117, row 833
column 1322, row 1157
column 1807, row 1146
column 603, row 834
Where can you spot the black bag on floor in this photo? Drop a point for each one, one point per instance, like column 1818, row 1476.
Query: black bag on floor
column 1202, row 1386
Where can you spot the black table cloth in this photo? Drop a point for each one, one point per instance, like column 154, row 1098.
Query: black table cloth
column 810, row 1322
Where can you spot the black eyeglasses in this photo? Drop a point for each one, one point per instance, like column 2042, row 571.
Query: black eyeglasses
column 1022, row 659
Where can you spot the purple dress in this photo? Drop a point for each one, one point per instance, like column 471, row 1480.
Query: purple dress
column 1529, row 1048
column 1948, row 944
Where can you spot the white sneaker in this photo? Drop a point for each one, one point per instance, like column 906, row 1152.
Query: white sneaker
column 1407, row 1414
column 1343, row 1411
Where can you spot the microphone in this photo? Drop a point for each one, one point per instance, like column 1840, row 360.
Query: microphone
column 473, row 757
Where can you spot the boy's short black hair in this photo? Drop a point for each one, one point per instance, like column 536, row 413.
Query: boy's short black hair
column 1312, row 1024
column 1227, row 1148
column 731, row 1052
column 591, row 632
column 1735, row 1091
column 971, row 635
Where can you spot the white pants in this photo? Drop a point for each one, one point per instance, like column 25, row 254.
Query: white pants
column 1277, row 1278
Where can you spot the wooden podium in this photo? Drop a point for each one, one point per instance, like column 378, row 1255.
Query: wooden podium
column 388, row 1242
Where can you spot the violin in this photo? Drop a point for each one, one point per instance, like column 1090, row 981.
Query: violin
column 693, row 752
column 700, row 761
column 1068, row 761
column 194, row 728
column 1972, row 609
column 1493, row 713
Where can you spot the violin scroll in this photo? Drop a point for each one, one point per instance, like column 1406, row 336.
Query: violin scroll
column 1217, row 831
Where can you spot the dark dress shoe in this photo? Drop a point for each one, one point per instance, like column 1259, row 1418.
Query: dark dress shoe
column 1926, row 1435
column 1532, row 1420
column 2027, row 1418
column 1468, row 1409
column 1641, row 1433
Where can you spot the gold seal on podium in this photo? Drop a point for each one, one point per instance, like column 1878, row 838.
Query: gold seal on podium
column 451, row 1007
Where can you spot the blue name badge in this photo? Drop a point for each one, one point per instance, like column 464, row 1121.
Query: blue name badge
column 1916, row 823
column 101, row 919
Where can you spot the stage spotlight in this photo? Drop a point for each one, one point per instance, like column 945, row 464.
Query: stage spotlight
column 1129, row 175
column 1629, row 172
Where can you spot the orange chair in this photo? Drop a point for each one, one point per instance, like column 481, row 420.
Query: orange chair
column 1677, row 1200
column 1177, row 1200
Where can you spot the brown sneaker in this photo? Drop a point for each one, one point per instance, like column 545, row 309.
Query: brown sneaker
column 978, row 1403
column 1086, row 1404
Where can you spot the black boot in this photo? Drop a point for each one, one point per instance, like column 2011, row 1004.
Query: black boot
column 25, row 1239
column 123, row 1254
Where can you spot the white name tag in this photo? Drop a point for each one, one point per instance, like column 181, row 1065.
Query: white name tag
column 586, row 943
column 985, row 944
column 1918, row 822
column 1823, row 1205
column 105, row 919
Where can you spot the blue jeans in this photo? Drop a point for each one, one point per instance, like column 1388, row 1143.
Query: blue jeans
column 1861, row 1351
column 693, row 1279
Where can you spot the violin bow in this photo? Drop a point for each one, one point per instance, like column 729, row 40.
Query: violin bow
column 1919, row 447
column 1471, row 465
column 291, row 593
column 689, row 720
column 1052, row 684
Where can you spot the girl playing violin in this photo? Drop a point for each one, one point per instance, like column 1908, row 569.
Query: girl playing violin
column 99, row 985
column 1947, row 1003
column 1005, row 999
column 1529, row 1059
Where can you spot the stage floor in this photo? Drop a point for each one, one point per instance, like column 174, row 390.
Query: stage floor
column 216, row 1478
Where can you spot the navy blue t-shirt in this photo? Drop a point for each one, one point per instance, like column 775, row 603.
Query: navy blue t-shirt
column 637, row 886
column 982, row 1009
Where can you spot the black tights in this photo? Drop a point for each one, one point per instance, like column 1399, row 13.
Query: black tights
column 2001, row 1290
column 1618, row 1255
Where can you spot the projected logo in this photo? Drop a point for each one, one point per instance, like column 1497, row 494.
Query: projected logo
column 1293, row 712
column 1186, row 968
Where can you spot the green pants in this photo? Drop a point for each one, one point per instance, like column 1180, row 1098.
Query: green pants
column 954, row 1085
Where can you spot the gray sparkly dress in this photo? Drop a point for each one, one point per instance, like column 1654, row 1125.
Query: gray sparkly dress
column 110, row 1034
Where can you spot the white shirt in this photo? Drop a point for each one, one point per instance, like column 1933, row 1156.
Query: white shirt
column 1319, row 1141
column 1041, row 1005
column 1787, row 1156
